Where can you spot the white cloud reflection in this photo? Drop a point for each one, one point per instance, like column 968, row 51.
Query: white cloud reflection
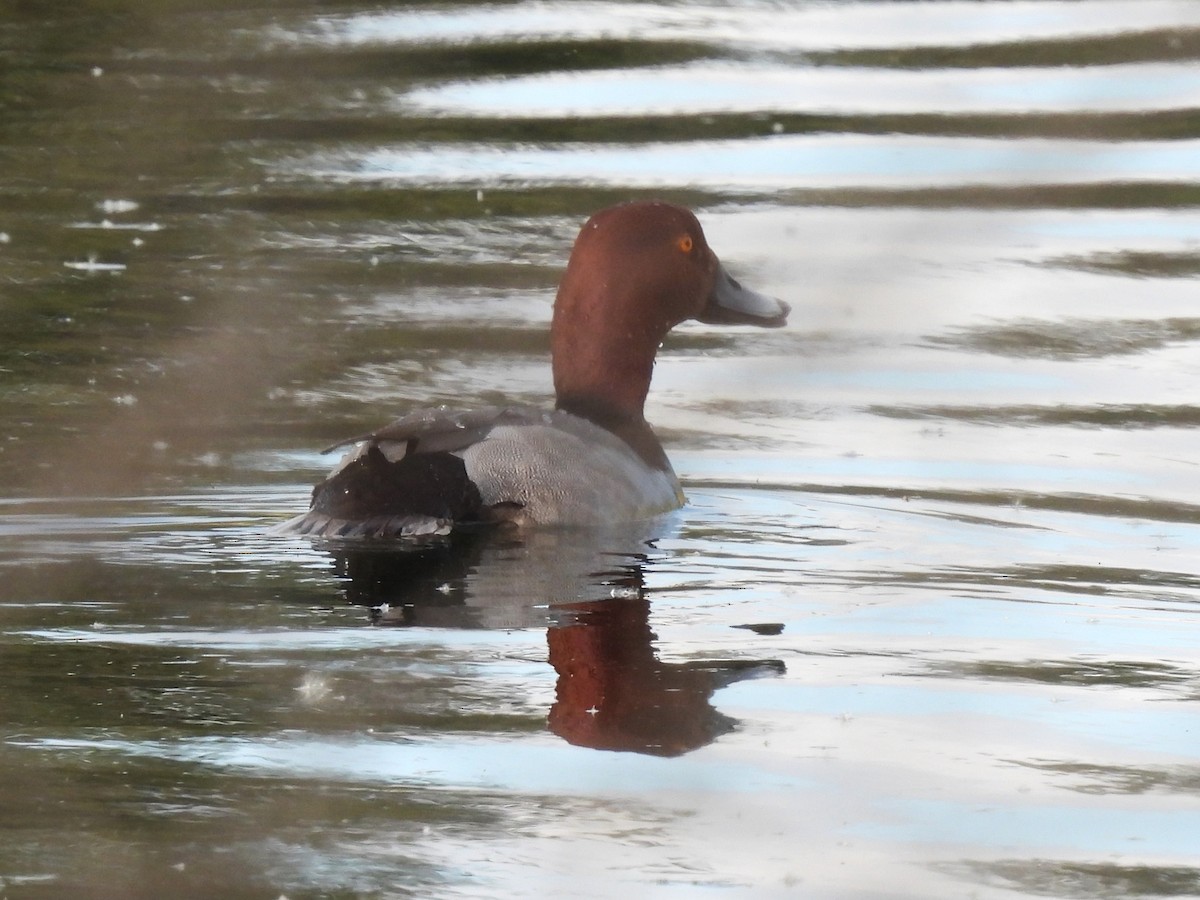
column 742, row 87
column 768, row 163
column 764, row 25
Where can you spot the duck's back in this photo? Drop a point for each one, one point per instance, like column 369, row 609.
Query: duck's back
column 566, row 470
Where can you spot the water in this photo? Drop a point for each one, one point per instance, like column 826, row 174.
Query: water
column 928, row 626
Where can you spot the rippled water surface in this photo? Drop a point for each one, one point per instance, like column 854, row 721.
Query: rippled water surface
column 929, row 624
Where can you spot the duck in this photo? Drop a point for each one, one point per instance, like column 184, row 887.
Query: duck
column 636, row 270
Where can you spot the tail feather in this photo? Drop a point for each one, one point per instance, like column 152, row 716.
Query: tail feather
column 419, row 496
column 319, row 524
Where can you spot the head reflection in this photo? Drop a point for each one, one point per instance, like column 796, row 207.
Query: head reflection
column 588, row 590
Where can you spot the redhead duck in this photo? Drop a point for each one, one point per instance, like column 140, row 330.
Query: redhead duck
column 636, row 271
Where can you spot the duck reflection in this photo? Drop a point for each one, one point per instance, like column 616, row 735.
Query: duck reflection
column 612, row 692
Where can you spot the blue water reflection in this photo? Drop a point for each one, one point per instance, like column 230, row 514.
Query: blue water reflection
column 709, row 88
column 800, row 26
column 764, row 164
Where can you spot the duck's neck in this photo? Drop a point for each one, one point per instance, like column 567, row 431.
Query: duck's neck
column 636, row 432
column 606, row 382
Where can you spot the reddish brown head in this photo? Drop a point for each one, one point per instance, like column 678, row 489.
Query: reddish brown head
column 637, row 270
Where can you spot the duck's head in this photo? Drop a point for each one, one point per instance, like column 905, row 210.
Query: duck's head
column 637, row 270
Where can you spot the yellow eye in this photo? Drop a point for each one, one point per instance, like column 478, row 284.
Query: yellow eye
column 685, row 243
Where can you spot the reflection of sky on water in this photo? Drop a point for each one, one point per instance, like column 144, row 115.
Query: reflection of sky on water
column 805, row 26
column 771, row 163
column 1161, row 728
column 1040, row 825
column 1054, row 627
column 709, row 87
column 1013, row 818
column 279, row 640
column 536, row 764
column 1124, row 231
